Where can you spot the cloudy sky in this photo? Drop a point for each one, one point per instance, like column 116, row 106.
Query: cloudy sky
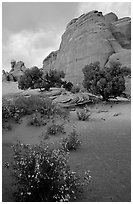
column 30, row 31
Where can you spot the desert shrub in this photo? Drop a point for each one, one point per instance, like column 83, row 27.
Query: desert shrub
column 29, row 105
column 71, row 142
column 54, row 77
column 35, row 78
column 37, row 119
column 29, row 78
column 83, row 114
column 126, row 71
column 67, row 85
column 54, row 129
column 9, row 111
column 43, row 174
column 61, row 112
column 22, row 106
column 7, row 126
column 106, row 82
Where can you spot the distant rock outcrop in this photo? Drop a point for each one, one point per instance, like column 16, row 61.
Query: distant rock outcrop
column 17, row 70
column 89, row 38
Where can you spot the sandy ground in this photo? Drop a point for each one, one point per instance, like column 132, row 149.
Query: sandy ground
column 105, row 151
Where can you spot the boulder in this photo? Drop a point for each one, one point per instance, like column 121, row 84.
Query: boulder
column 123, row 56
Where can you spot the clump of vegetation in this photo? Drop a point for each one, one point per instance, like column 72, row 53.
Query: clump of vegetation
column 55, row 129
column 35, row 78
column 106, row 82
column 71, row 142
column 37, row 119
column 68, row 85
column 126, row 71
column 43, row 174
column 83, row 114
column 54, row 77
column 21, row 106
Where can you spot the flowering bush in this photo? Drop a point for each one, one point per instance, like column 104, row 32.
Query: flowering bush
column 71, row 142
column 54, row 129
column 21, row 106
column 43, row 174
column 83, row 114
column 9, row 110
column 37, row 120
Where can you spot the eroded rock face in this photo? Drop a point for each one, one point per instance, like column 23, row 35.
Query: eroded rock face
column 91, row 37
column 121, row 30
column 49, row 61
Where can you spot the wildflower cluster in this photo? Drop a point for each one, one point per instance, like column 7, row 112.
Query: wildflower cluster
column 37, row 119
column 43, row 174
column 54, row 129
column 71, row 142
column 21, row 106
column 9, row 111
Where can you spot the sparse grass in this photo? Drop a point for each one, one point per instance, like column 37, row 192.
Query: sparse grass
column 83, row 114
column 71, row 142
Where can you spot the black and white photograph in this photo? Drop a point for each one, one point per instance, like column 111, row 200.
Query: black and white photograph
column 66, row 101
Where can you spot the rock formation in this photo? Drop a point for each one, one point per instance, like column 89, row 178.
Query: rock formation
column 49, row 61
column 17, row 70
column 89, row 38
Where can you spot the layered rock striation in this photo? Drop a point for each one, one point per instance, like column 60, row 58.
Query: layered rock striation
column 89, row 38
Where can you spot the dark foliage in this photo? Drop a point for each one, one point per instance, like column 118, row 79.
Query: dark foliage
column 106, row 82
column 30, row 78
column 35, row 78
column 67, row 85
column 54, row 77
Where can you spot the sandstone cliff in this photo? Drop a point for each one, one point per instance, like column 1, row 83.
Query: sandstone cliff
column 89, row 38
